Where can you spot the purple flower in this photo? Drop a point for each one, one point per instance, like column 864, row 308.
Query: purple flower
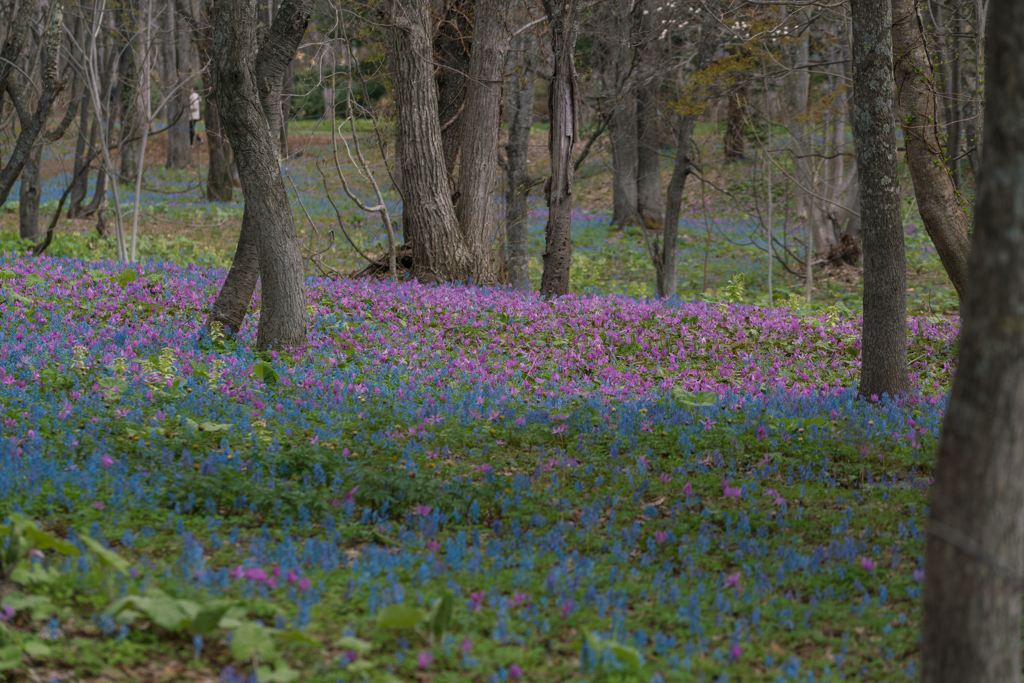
column 485, row 468
column 237, row 573
column 560, row 429
column 107, row 461
column 515, row 672
column 665, row 478
column 867, row 563
column 256, row 574
column 732, row 580
column 476, row 600
column 423, row 510
column 466, row 646
column 735, row 651
column 291, row 576
column 918, row 575
column 567, row 606
column 660, row 536
column 6, row 613
column 424, row 659
column 98, row 504
column 731, row 491
column 305, row 583
column 687, row 489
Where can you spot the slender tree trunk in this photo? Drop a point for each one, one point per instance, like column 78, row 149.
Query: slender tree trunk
column 452, row 41
column 478, row 169
column 971, row 626
column 622, row 131
column 562, row 137
column 648, row 126
column 429, row 222
column 175, row 59
column 242, row 75
column 884, row 338
column 136, row 113
column 219, row 185
column 80, row 186
column 943, row 218
column 665, row 257
column 519, row 111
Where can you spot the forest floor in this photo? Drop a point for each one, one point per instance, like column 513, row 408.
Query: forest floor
column 457, row 484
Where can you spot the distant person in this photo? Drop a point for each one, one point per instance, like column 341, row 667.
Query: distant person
column 193, row 116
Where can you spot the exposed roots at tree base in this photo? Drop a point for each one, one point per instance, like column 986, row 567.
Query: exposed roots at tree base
column 378, row 268
column 846, row 251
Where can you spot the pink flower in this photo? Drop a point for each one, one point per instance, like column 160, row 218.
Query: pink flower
column 918, row 575
column 567, row 608
column 687, row 489
column 735, row 651
column 291, row 576
column 560, row 429
column 485, row 468
column 237, row 573
column 432, row 544
column 350, row 496
column 7, row 613
column 515, row 672
column 271, row 582
column 276, row 573
column 665, row 478
column 660, row 536
column 423, row 510
column 465, row 646
column 256, row 574
column 107, row 461
column 305, row 583
column 476, row 600
column 424, row 659
column 731, row 491
column 98, row 504
column 732, row 580
column 518, row 598
column 867, row 563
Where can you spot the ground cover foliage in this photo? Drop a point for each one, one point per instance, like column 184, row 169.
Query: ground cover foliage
column 452, row 484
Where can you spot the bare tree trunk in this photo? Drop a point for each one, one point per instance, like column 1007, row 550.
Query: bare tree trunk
column 80, row 186
column 478, row 168
column 136, row 113
column 943, row 218
column 287, row 88
column 648, row 127
column 884, row 338
column 665, row 256
column 452, row 40
column 429, row 222
column 242, row 75
column 176, row 77
column 219, row 184
column 34, row 126
column 519, row 112
column 29, row 193
column 734, row 142
column 562, row 136
column 971, row 626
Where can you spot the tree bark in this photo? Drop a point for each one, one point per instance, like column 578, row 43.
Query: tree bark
column 452, row 41
column 482, row 125
column 428, row 216
column 219, row 184
column 665, row 256
column 136, row 102
column 648, row 127
column 176, row 77
column 734, row 142
column 241, row 75
column 29, row 193
column 287, row 88
column 971, row 625
column 562, row 136
column 31, row 129
column 81, row 183
column 884, row 338
column 943, row 218
column 519, row 111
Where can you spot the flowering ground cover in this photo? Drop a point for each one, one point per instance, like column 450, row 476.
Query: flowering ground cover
column 452, row 484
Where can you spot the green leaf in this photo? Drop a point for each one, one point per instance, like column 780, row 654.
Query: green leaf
column 37, row 648
column 96, row 275
column 34, row 279
column 400, row 616
column 357, row 645
column 126, row 277
column 441, row 615
column 265, row 371
column 112, row 385
column 40, row 605
column 251, row 639
column 297, row 637
column 282, row 673
column 7, row 274
column 703, row 399
column 107, row 558
column 214, row 427
column 209, row 616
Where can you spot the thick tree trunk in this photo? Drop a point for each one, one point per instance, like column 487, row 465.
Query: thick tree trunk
column 734, row 142
column 452, row 41
column 519, row 112
column 14, row 43
column 884, row 337
column 665, row 256
column 562, row 136
column 648, row 126
column 136, row 113
column 29, row 193
column 943, row 218
column 241, row 77
column 622, row 131
column 482, row 117
column 428, row 216
column 971, row 627
column 219, row 184
column 286, row 109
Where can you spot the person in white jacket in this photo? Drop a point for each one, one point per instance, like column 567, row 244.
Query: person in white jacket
column 193, row 116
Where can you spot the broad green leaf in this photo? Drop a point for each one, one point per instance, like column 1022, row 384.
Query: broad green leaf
column 251, row 639
column 266, row 372
column 357, row 645
column 34, row 279
column 441, row 614
column 107, row 558
column 126, row 277
column 282, row 673
column 39, row 605
column 37, row 648
column 7, row 274
column 214, row 427
column 297, row 637
column 45, row 541
column 112, row 385
column 97, row 275
column 209, row 616
column 34, row 574
column 400, row 616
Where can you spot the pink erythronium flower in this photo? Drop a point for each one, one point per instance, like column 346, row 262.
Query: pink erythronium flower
column 424, row 659
column 660, row 536
column 665, row 479
column 515, row 672
column 6, row 613
column 305, row 583
column 687, row 489
column 106, row 461
column 256, row 574
column 867, row 563
column 732, row 580
column 466, row 646
column 291, row 576
column 735, row 652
